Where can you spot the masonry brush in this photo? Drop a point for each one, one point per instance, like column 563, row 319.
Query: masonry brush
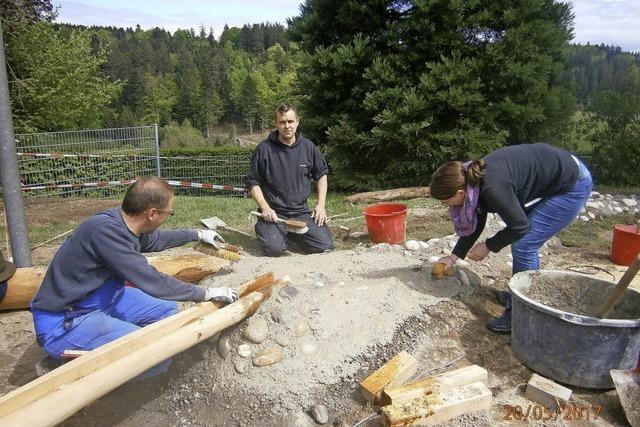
column 228, row 252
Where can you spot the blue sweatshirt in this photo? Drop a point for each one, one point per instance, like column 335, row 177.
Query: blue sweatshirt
column 103, row 247
column 284, row 173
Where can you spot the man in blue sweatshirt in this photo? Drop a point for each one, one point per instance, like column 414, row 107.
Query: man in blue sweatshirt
column 83, row 302
column 279, row 180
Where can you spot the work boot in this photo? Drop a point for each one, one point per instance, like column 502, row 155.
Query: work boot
column 501, row 324
column 504, row 298
column 46, row 365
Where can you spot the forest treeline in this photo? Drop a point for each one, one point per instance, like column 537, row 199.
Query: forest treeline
column 388, row 89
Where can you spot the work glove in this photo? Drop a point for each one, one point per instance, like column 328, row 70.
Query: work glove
column 210, row 237
column 223, row 295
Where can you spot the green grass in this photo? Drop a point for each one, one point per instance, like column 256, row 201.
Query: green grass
column 595, row 234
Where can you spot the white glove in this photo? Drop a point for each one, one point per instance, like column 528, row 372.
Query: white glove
column 223, row 295
column 210, row 237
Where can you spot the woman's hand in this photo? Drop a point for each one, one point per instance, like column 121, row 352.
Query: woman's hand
column 479, row 252
column 448, row 260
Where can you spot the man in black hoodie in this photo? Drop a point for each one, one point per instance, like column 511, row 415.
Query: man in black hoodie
column 279, row 180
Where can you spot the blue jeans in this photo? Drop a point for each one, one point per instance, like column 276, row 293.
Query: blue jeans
column 108, row 313
column 548, row 218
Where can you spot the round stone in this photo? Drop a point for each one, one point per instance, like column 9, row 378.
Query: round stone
column 320, row 414
column 240, row 366
column 283, row 340
column 300, row 328
column 308, row 348
column 256, row 331
column 268, row 356
column 244, row 350
column 224, row 347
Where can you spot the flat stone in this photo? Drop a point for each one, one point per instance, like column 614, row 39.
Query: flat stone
column 300, row 328
column 283, row 339
column 257, row 330
column 240, row 366
column 320, row 414
column 412, row 245
column 268, row 356
column 244, row 350
column 223, row 347
column 288, row 292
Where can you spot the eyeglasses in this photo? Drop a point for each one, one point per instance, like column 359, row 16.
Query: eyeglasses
column 167, row 212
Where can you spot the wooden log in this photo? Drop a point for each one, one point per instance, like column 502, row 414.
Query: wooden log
column 106, row 354
column 459, row 377
column 546, row 392
column 386, row 195
column 62, row 402
column 437, row 407
column 392, row 374
column 22, row 287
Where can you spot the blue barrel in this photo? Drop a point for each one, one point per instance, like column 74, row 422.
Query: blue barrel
column 570, row 348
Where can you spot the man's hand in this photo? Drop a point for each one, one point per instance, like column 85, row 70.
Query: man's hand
column 319, row 215
column 479, row 252
column 222, row 295
column 210, row 237
column 269, row 215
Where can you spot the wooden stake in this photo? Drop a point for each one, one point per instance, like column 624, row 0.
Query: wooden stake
column 22, row 287
column 445, row 381
column 106, row 354
column 437, row 407
column 392, row 374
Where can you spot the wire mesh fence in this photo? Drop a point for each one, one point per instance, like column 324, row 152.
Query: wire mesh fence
column 102, row 162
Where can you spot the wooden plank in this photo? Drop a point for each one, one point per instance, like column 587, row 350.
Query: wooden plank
column 459, row 377
column 438, row 407
column 22, row 287
column 393, row 194
column 92, row 361
column 546, row 392
column 63, row 401
column 392, row 374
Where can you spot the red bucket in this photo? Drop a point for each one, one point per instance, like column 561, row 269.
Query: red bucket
column 625, row 244
column 387, row 222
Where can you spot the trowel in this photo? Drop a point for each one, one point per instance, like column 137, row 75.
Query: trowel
column 628, row 387
column 215, row 223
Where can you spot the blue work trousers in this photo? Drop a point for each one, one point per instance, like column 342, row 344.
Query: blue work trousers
column 548, row 218
column 108, row 313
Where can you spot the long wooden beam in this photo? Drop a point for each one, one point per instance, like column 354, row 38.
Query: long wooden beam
column 386, row 195
column 106, row 354
column 65, row 401
column 24, row 284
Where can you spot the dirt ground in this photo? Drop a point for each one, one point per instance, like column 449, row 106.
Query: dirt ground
column 345, row 314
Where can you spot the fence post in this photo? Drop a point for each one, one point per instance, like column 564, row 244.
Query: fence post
column 157, row 142
column 12, row 193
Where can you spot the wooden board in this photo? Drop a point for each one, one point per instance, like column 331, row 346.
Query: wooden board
column 437, row 407
column 94, row 360
column 459, row 377
column 22, row 287
column 386, row 195
column 392, row 374
column 59, row 402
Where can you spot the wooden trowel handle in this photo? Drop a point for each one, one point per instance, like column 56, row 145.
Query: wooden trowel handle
column 620, row 288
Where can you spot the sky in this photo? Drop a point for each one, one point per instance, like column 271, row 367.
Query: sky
column 613, row 22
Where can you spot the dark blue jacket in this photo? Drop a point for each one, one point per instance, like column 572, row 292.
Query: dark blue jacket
column 284, row 173
column 103, row 247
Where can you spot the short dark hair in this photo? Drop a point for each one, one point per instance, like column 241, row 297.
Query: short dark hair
column 284, row 108
column 146, row 193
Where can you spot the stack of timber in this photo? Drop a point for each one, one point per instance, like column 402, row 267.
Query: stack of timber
column 428, row 401
column 57, row 395
column 22, row 287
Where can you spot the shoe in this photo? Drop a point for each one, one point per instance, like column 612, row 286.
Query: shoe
column 46, row 365
column 504, row 298
column 501, row 324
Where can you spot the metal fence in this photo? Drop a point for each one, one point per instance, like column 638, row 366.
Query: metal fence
column 104, row 161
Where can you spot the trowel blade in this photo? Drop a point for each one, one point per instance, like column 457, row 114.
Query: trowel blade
column 213, row 223
column 628, row 387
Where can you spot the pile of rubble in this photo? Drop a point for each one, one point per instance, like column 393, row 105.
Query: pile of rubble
column 605, row 205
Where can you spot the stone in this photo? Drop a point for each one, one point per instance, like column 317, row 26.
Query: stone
column 224, row 347
column 629, row 202
column 286, row 279
column 276, row 314
column 240, row 366
column 318, row 284
column 412, row 245
column 320, row 414
column 464, row 278
column 288, row 292
column 256, row 331
column 584, row 218
column 300, row 328
column 433, row 259
column 423, row 245
column 433, row 241
column 340, row 283
column 308, row 348
column 244, row 350
column 268, row 356
column 283, row 340
column 358, row 234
